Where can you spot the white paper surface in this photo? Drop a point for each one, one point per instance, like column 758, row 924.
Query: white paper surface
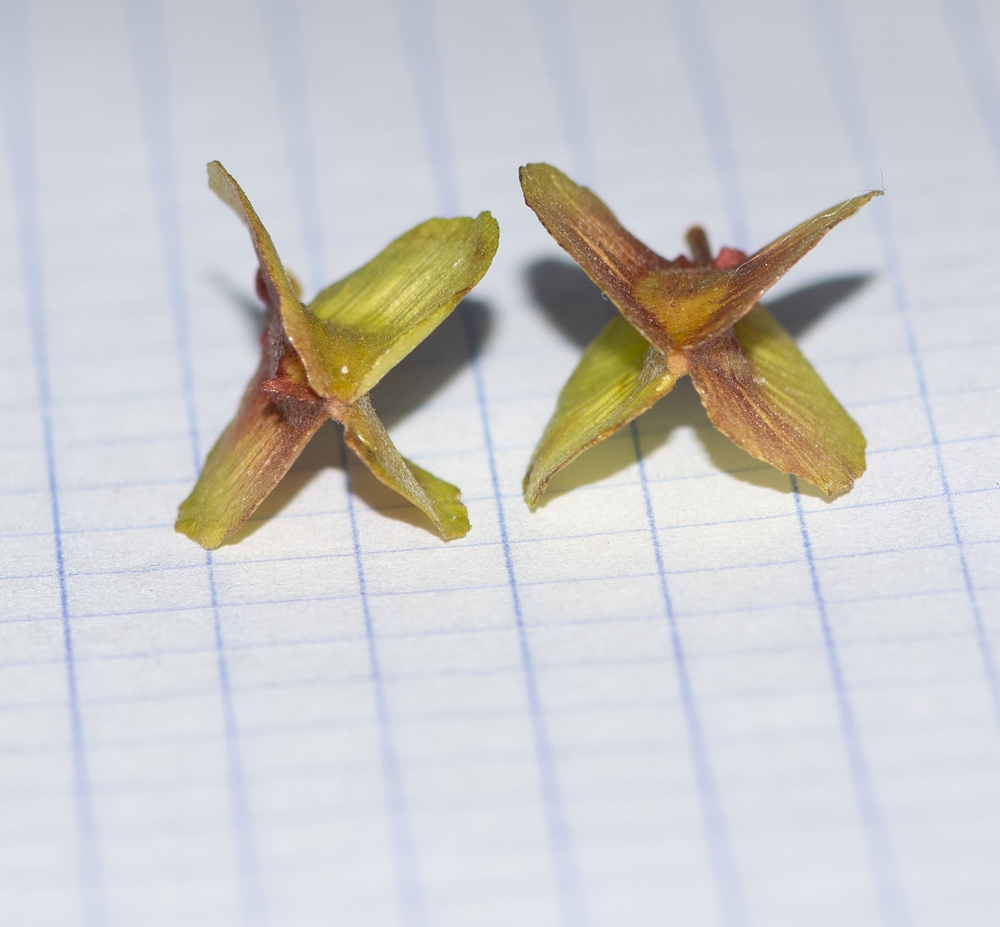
column 679, row 693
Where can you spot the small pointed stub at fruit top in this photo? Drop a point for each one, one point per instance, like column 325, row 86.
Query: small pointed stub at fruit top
column 696, row 316
column 319, row 361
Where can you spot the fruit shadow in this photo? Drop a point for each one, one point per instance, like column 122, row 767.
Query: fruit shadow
column 425, row 371
column 579, row 310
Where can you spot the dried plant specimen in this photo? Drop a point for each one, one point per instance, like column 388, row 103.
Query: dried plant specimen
column 696, row 316
column 320, row 361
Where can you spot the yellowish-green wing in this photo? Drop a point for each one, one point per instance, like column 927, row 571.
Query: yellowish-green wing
column 252, row 454
column 619, row 376
column 375, row 316
column 439, row 500
column 592, row 235
column 359, row 328
column 761, row 392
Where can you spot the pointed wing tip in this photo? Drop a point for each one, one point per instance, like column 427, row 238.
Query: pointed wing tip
column 849, row 207
column 864, row 198
column 824, row 221
column 225, row 187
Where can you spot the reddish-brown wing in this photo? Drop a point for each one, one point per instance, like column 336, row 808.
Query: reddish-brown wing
column 584, row 226
column 761, row 392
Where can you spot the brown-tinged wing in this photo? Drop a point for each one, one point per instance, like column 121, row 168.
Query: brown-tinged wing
column 252, row 454
column 761, row 392
column 584, row 226
column 762, row 270
column 282, row 291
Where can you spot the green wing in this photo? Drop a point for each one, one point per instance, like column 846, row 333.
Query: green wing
column 356, row 330
column 439, row 500
column 619, row 376
column 382, row 311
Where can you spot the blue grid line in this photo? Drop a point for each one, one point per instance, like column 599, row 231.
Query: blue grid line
column 567, row 877
column 592, row 487
column 409, row 885
column 284, row 41
column 19, row 131
column 144, row 24
column 469, row 452
column 621, row 748
column 88, row 487
column 621, row 706
column 847, row 600
column 138, row 394
column 590, row 577
column 756, row 565
column 969, row 35
column 698, row 656
column 888, row 889
column 555, row 32
column 232, row 385
column 420, row 45
column 722, row 859
column 18, row 448
column 280, row 19
column 694, row 44
column 813, row 732
column 419, row 41
column 634, row 749
column 443, row 716
column 126, row 442
column 725, row 869
column 833, row 44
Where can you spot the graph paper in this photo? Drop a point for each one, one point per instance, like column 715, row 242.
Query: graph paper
column 688, row 689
